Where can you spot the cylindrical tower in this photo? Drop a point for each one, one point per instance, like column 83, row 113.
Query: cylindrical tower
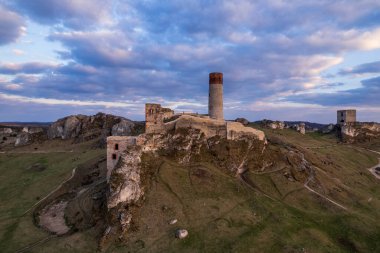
column 215, row 96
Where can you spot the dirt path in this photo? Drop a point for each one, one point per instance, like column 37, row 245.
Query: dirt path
column 59, row 186
column 373, row 170
column 52, row 218
column 324, row 197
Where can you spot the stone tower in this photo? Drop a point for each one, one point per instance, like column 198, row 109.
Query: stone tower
column 215, row 96
column 346, row 116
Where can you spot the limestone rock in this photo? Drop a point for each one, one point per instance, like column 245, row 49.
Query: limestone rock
column 301, row 128
column 125, row 180
column 82, row 127
column 123, row 128
column 22, row 139
column 181, row 233
column 173, row 221
column 359, row 131
column 5, row 131
column 273, row 124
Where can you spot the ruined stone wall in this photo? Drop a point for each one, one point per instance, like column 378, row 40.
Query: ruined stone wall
column 207, row 126
column 116, row 145
column 236, row 130
column 346, row 116
column 155, row 116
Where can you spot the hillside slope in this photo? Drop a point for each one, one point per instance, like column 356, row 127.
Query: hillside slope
column 309, row 194
column 306, row 193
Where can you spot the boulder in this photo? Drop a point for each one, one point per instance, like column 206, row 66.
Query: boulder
column 173, row 221
column 181, row 233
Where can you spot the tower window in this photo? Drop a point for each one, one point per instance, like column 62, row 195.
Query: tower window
column 113, row 156
column 116, row 146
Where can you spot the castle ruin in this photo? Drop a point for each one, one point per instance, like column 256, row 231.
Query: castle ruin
column 155, row 115
column 160, row 120
column 346, row 116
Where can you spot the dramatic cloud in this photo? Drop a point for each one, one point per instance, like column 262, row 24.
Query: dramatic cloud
column 69, row 13
column 371, row 67
column 27, row 68
column 275, row 55
column 11, row 26
column 368, row 94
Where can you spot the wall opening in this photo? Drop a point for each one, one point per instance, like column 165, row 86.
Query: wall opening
column 116, row 146
column 113, row 156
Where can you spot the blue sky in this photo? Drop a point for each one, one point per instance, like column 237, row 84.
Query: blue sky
column 282, row 60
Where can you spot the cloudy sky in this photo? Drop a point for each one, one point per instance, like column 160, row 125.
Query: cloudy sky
column 285, row 60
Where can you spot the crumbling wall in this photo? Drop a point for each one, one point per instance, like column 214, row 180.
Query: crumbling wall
column 208, row 127
column 346, row 116
column 155, row 116
column 236, row 130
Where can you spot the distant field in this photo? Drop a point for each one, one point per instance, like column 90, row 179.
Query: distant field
column 220, row 213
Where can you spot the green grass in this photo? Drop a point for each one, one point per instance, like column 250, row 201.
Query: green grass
column 21, row 188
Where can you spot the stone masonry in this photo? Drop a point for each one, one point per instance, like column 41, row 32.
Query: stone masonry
column 346, row 116
column 155, row 115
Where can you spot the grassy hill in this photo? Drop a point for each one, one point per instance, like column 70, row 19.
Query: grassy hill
column 273, row 210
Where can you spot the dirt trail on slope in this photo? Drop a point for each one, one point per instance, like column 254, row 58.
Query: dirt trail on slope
column 374, row 170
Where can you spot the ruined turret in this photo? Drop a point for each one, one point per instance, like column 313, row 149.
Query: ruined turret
column 346, row 116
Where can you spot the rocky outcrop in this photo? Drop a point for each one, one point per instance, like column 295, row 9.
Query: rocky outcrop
column 187, row 139
column 6, row 131
column 29, row 135
column 123, row 128
column 83, row 128
column 273, row 124
column 22, row 139
column 125, row 181
column 301, row 128
column 359, row 131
